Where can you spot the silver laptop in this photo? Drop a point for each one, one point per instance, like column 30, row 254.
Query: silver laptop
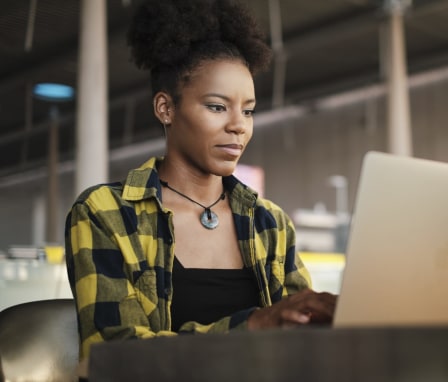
column 396, row 270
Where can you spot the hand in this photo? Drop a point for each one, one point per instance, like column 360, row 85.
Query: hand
column 301, row 308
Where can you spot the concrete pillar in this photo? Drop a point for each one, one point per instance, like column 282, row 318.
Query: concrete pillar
column 280, row 58
column 53, row 178
column 399, row 125
column 38, row 221
column 92, row 116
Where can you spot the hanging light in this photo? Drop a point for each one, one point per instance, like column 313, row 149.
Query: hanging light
column 53, row 92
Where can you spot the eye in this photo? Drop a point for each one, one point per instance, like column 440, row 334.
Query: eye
column 216, row 108
column 249, row 112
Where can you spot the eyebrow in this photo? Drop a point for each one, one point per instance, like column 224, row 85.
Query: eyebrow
column 225, row 98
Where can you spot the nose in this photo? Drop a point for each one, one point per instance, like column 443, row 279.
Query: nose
column 239, row 123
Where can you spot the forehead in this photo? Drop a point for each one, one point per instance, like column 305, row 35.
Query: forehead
column 227, row 77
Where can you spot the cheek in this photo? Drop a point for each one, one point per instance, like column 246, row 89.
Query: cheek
column 249, row 133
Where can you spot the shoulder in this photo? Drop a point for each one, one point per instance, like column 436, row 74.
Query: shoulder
column 268, row 205
column 140, row 183
column 269, row 208
column 264, row 209
column 105, row 195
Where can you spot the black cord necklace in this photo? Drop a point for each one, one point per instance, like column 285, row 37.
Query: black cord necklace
column 208, row 218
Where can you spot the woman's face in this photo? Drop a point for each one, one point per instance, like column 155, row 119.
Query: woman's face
column 213, row 121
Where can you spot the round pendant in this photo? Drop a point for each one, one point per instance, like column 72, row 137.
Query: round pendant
column 209, row 219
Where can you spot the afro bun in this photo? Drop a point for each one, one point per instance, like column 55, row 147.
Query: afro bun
column 181, row 33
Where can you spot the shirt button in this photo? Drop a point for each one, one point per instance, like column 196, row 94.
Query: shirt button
column 167, row 291
column 170, row 240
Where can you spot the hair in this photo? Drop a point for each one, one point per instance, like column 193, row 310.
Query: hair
column 171, row 38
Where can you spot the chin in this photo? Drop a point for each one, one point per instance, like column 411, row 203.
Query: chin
column 227, row 169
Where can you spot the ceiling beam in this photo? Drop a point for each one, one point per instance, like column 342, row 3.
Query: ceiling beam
column 348, row 26
column 292, row 46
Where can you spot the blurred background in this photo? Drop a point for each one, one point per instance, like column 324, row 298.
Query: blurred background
column 348, row 76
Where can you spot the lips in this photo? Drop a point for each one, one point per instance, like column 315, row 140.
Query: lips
column 233, row 149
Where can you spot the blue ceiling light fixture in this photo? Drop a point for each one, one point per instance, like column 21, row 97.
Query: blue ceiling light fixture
column 53, row 92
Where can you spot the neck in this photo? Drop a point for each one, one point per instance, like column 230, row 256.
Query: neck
column 199, row 186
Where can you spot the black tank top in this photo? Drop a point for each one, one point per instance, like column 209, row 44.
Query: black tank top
column 207, row 295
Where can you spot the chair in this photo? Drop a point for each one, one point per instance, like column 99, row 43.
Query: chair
column 39, row 341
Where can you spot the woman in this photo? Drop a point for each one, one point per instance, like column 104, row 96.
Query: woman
column 182, row 245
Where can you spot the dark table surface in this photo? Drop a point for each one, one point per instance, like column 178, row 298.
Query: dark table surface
column 306, row 354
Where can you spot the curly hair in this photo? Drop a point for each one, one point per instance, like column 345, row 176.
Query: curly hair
column 170, row 38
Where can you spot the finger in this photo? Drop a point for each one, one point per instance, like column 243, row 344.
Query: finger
column 321, row 305
column 322, row 310
column 291, row 316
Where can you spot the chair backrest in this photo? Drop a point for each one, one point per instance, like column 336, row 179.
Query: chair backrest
column 39, row 341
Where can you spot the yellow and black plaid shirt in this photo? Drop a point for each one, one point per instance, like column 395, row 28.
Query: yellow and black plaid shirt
column 120, row 252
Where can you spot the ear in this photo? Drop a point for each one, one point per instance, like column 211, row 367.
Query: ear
column 163, row 107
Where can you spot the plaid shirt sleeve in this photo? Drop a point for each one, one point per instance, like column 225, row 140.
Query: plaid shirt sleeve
column 297, row 276
column 275, row 241
column 105, row 297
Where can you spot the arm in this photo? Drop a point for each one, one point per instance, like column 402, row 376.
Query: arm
column 106, row 299
column 298, row 303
